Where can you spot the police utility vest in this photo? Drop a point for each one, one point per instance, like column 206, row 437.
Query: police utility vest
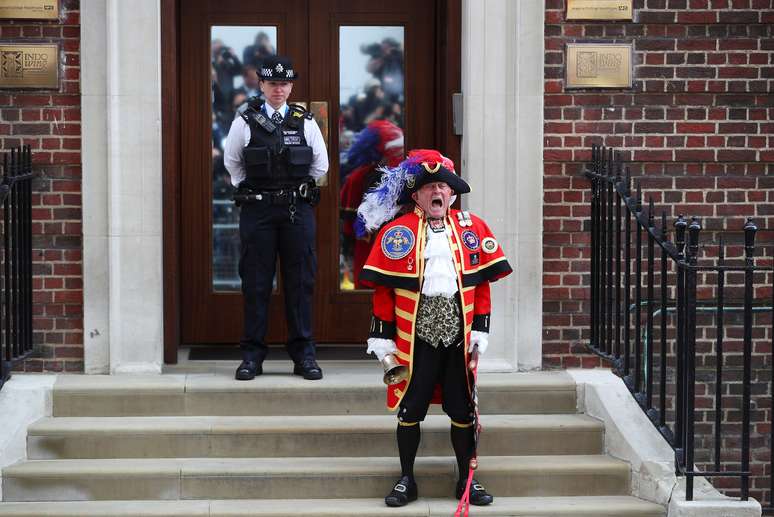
column 277, row 155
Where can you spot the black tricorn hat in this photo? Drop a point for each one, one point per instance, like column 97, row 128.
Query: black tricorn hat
column 277, row 68
column 425, row 166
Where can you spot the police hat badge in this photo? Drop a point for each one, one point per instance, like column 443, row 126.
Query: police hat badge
column 277, row 68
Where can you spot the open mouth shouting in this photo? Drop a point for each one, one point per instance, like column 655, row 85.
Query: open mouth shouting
column 434, row 198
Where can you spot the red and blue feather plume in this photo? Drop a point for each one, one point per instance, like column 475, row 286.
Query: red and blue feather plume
column 380, row 203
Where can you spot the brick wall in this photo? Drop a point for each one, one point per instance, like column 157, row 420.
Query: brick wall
column 697, row 130
column 695, row 126
column 50, row 122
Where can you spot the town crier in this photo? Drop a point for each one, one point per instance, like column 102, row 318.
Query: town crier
column 430, row 269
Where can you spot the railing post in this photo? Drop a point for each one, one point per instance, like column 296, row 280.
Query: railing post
column 649, row 316
column 771, row 396
column 719, row 330
column 609, row 251
column 690, row 312
column 664, row 319
column 680, row 227
column 638, row 297
column 15, row 254
column 7, row 256
column 749, row 253
column 618, row 267
column 28, row 247
column 627, row 281
column 5, row 344
column 602, row 242
column 594, row 246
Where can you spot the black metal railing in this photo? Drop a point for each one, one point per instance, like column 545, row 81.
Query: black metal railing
column 16, row 267
column 630, row 256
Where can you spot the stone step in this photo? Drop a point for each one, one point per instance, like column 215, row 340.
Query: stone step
column 582, row 506
column 298, row 436
column 354, row 391
column 284, row 478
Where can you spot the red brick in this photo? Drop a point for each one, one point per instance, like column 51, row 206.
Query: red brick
column 23, row 100
column 695, row 127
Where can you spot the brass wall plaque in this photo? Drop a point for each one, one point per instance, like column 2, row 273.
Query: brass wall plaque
column 29, row 66
column 29, row 9
column 598, row 65
column 599, row 10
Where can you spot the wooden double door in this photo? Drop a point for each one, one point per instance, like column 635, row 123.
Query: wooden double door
column 357, row 61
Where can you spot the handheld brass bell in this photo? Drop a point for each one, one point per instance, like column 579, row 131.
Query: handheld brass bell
column 394, row 372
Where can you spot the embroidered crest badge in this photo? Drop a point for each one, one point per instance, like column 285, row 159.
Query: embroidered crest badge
column 398, row 242
column 470, row 240
column 489, row 245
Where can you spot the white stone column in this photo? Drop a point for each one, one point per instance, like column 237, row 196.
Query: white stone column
column 94, row 130
column 502, row 146
column 123, row 298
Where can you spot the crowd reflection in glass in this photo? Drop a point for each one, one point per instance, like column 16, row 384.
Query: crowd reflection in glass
column 234, row 80
column 370, row 135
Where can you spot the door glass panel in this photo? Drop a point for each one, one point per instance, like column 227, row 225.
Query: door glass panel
column 236, row 54
column 371, row 102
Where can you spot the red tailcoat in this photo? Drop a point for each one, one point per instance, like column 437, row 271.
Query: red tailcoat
column 395, row 269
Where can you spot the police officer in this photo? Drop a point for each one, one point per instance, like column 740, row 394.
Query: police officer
column 274, row 153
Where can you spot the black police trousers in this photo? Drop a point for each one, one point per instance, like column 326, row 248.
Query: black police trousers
column 266, row 231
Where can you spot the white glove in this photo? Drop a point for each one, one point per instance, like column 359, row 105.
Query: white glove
column 381, row 347
column 479, row 340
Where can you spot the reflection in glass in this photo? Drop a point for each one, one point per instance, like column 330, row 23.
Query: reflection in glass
column 236, row 54
column 371, row 102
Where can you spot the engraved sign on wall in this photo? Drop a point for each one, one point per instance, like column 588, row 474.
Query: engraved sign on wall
column 597, row 65
column 599, row 10
column 29, row 66
column 29, row 9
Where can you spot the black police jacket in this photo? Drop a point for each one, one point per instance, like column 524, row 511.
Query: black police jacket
column 277, row 156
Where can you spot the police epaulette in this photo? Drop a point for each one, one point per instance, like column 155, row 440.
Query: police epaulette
column 299, row 111
column 255, row 102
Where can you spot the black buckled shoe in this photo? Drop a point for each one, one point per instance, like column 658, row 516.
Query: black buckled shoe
column 248, row 370
column 404, row 491
column 478, row 494
column 309, row 369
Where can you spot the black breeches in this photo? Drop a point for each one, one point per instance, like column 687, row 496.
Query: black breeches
column 437, row 365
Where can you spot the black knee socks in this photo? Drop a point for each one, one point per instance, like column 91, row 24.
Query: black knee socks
column 462, row 442
column 408, row 443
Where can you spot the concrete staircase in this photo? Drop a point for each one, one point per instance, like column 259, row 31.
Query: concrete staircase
column 205, row 445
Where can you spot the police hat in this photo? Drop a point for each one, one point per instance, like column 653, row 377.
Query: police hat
column 425, row 166
column 277, row 68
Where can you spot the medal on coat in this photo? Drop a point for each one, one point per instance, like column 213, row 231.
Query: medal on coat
column 397, row 242
column 464, row 219
column 489, row 245
column 470, row 240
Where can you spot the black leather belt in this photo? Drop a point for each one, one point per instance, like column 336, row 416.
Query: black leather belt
column 278, row 197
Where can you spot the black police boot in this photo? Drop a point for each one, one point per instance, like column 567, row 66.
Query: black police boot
column 309, row 369
column 478, row 494
column 404, row 491
column 248, row 370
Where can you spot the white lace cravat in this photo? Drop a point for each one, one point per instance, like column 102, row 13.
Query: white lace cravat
column 440, row 277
